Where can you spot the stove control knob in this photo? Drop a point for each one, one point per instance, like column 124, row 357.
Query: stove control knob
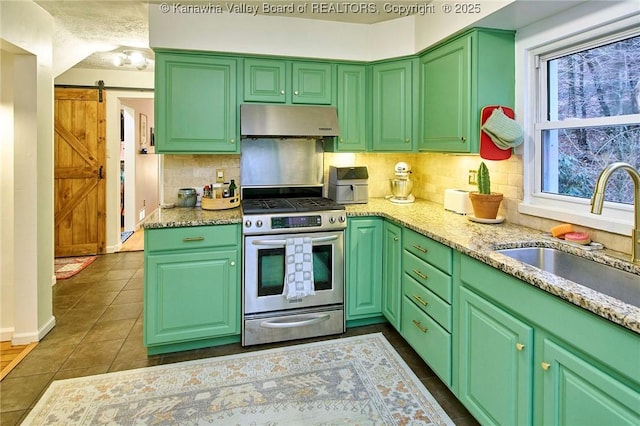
column 332, row 219
column 247, row 223
column 342, row 219
column 259, row 223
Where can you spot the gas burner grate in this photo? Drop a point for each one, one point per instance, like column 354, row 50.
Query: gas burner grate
column 289, row 205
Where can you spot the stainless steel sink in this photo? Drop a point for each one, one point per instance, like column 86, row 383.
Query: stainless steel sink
column 622, row 285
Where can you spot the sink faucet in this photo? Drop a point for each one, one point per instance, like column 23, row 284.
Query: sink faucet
column 598, row 199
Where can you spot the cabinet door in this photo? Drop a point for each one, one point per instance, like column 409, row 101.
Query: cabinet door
column 312, row 83
column 392, row 273
column 446, row 96
column 195, row 104
column 496, row 355
column 578, row 393
column 352, row 111
column 264, row 80
column 191, row 296
column 430, row 341
column 364, row 267
column 393, row 106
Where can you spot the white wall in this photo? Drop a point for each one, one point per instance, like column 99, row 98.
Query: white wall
column 146, row 165
column 258, row 35
column 6, row 195
column 111, row 78
column 28, row 235
column 432, row 28
column 287, row 36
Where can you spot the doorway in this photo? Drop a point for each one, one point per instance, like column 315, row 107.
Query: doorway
column 127, row 173
column 138, row 167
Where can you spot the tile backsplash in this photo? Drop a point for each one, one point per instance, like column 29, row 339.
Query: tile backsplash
column 195, row 171
column 432, row 174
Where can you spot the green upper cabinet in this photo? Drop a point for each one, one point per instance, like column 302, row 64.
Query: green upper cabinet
column 352, row 108
column 295, row 82
column 312, row 83
column 264, row 80
column 459, row 78
column 393, row 106
column 195, row 104
column 445, row 97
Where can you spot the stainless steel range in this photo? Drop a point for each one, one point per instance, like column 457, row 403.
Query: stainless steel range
column 293, row 257
column 273, row 228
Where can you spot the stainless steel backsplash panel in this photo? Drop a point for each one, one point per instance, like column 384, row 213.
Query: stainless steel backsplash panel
column 281, row 162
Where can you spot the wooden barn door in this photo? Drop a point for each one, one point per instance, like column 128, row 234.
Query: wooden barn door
column 79, row 157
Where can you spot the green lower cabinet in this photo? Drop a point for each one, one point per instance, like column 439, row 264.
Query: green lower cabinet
column 192, row 287
column 527, row 357
column 430, row 341
column 496, row 352
column 392, row 273
column 364, row 268
column 578, row 393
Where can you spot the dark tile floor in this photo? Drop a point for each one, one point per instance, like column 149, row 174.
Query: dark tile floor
column 99, row 329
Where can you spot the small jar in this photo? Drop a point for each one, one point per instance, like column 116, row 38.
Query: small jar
column 187, row 197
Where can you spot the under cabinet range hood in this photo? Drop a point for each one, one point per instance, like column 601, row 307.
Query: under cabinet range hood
column 286, row 121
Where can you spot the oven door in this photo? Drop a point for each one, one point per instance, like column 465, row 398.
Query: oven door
column 264, row 272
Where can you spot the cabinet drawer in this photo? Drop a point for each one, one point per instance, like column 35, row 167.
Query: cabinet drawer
column 427, row 275
column 193, row 237
column 426, row 300
column 429, row 340
column 428, row 250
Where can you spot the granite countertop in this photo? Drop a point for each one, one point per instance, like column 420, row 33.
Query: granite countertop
column 473, row 239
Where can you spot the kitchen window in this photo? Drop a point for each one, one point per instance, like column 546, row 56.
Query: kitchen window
column 586, row 115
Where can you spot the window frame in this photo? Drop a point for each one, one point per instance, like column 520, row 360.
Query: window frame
column 616, row 217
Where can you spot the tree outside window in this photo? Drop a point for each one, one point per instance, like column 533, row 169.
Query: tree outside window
column 591, row 118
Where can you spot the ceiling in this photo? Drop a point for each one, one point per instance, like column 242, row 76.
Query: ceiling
column 115, row 26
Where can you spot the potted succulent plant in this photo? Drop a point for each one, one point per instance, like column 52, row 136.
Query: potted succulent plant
column 485, row 203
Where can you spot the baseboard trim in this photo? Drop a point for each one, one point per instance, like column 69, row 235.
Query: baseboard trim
column 26, row 338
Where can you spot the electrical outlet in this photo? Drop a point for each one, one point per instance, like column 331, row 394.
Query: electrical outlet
column 219, row 176
column 473, row 177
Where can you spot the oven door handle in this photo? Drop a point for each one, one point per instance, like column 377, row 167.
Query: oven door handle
column 283, row 323
column 284, row 242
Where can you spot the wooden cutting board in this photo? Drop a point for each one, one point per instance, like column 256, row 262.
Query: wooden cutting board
column 489, row 150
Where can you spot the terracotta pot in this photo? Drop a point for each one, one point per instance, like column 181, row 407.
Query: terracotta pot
column 485, row 206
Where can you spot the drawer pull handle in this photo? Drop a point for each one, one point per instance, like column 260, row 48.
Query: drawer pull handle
column 192, row 239
column 519, row 346
column 420, row 274
column 545, row 366
column 420, row 300
column 422, row 249
column 420, row 326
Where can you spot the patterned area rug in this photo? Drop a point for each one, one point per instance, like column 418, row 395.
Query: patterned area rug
column 356, row 380
column 66, row 267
